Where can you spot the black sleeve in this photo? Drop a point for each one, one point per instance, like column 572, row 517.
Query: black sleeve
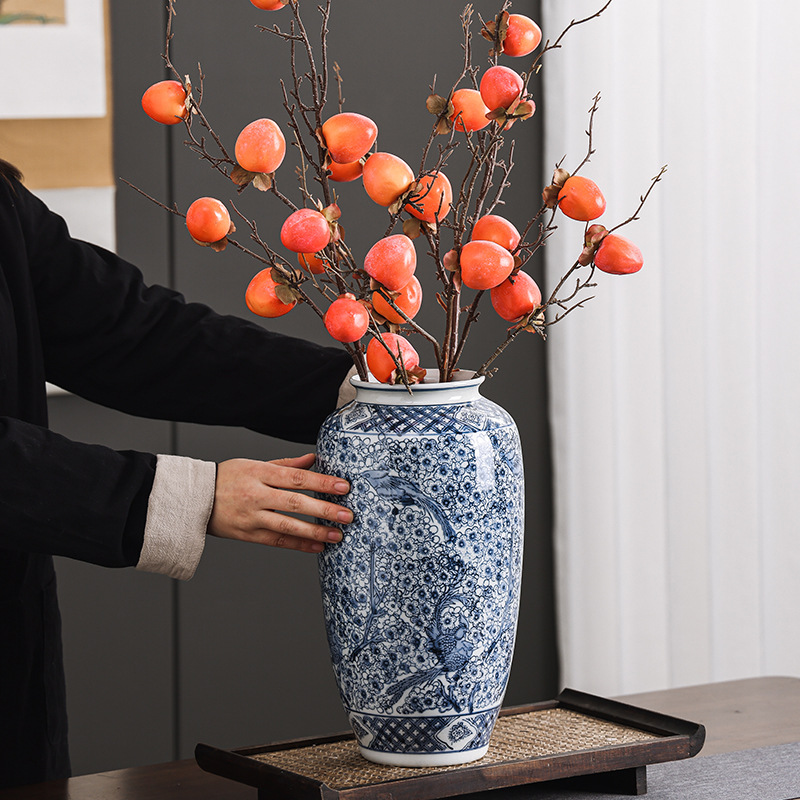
column 60, row 497
column 142, row 349
column 84, row 319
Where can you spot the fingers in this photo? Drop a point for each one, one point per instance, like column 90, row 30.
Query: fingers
column 305, row 461
column 274, row 539
column 294, row 473
column 257, row 501
column 281, row 530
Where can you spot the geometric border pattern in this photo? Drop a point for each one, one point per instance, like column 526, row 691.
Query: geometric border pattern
column 422, row 735
column 422, row 420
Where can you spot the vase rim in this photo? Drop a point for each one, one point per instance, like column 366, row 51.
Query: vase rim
column 463, row 388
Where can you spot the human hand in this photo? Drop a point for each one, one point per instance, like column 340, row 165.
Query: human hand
column 254, row 501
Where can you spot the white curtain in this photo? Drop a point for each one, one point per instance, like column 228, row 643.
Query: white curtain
column 676, row 391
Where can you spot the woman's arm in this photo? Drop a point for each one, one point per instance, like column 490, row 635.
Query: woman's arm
column 109, row 337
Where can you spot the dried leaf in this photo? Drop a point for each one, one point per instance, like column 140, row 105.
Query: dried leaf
column 550, row 195
column 286, row 294
column 525, row 110
column 217, row 246
column 332, row 212
column 189, row 103
column 279, row 276
column 232, row 229
column 444, row 126
column 412, row 228
column 395, row 207
column 560, row 177
column 379, row 320
column 393, row 295
column 534, row 322
column 450, row 260
column 487, row 31
column 436, row 104
column 416, row 374
column 504, row 17
column 490, row 28
column 241, row 177
column 587, row 256
column 595, row 234
column 263, row 182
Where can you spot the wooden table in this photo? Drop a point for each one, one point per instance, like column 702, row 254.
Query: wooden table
column 738, row 715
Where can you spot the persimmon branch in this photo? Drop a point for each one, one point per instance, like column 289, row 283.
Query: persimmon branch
column 642, row 200
column 410, row 322
column 589, row 133
column 171, row 209
column 489, row 161
column 556, row 45
column 483, row 369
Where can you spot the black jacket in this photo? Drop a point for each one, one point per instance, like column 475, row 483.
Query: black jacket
column 82, row 318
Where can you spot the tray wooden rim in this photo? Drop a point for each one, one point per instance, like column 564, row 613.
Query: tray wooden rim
column 678, row 739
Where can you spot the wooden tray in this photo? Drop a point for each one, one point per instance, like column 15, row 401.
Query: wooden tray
column 577, row 734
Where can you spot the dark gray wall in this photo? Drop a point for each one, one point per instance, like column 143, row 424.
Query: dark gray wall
column 237, row 656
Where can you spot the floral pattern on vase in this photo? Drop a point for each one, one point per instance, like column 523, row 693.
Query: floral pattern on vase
column 421, row 597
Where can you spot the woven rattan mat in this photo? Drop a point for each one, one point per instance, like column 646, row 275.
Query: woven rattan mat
column 517, row 737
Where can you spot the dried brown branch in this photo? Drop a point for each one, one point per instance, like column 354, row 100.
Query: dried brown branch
column 548, row 45
column 642, row 199
column 171, row 209
column 483, row 369
column 340, row 96
column 413, row 324
column 472, row 316
column 589, row 133
column 489, row 158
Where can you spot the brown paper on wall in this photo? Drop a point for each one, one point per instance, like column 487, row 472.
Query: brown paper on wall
column 63, row 153
column 53, row 9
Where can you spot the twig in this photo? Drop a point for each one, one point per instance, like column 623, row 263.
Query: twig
column 172, row 210
column 510, row 337
column 642, row 199
column 338, row 74
column 589, row 131
column 548, row 46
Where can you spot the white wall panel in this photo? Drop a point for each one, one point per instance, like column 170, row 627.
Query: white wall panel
column 675, row 390
column 685, row 289
column 729, row 79
column 89, row 213
column 775, row 219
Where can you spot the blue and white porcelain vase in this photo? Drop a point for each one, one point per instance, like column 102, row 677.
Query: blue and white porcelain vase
column 422, row 595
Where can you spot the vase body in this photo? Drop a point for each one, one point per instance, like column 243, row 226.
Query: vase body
column 421, row 597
